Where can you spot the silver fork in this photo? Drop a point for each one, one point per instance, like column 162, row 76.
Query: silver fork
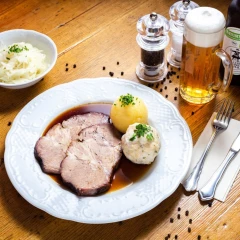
column 220, row 123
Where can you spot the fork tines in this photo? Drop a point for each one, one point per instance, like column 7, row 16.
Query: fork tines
column 225, row 111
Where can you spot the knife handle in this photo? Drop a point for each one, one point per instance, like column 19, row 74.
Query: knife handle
column 208, row 191
column 190, row 184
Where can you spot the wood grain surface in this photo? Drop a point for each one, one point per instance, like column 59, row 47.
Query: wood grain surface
column 93, row 34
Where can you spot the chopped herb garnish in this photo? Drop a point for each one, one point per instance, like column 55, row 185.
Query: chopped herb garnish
column 149, row 137
column 15, row 48
column 141, row 130
column 126, row 100
column 7, row 58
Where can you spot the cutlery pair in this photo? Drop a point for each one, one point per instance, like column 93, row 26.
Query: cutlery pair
column 220, row 123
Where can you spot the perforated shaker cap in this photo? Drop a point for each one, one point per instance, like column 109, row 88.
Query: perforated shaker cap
column 179, row 10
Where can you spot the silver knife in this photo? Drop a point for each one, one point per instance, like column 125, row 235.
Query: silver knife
column 208, row 191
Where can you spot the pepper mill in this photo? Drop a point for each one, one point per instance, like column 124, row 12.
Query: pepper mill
column 178, row 12
column 152, row 38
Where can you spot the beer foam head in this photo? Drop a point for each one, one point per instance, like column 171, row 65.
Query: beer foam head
column 204, row 27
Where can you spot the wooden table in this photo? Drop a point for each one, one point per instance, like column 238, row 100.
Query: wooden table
column 93, row 34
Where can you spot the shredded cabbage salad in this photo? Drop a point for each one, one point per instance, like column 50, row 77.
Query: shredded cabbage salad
column 21, row 62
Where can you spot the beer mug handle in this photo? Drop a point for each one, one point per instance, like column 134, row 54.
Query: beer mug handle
column 228, row 67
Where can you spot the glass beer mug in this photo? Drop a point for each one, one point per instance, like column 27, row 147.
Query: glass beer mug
column 202, row 54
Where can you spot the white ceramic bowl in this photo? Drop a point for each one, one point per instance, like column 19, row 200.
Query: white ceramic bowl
column 38, row 40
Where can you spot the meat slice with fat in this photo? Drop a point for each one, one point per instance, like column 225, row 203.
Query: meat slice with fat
column 91, row 161
column 51, row 149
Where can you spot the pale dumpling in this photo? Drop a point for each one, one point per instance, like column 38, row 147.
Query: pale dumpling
column 141, row 143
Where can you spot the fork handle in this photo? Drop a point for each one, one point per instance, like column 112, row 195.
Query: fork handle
column 208, row 191
column 190, row 184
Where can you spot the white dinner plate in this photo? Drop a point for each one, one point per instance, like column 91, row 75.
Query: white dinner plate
column 43, row 192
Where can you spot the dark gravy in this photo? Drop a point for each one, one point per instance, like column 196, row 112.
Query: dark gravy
column 127, row 172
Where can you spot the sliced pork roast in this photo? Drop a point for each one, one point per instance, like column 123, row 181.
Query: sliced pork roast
column 51, row 149
column 91, row 161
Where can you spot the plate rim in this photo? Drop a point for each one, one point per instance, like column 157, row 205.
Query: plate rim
column 52, row 213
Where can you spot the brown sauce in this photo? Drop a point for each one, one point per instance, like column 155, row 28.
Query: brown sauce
column 127, row 173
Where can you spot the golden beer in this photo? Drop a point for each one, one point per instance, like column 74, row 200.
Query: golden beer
column 199, row 73
column 201, row 56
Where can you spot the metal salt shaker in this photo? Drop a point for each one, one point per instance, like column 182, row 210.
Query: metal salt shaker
column 152, row 38
column 178, row 12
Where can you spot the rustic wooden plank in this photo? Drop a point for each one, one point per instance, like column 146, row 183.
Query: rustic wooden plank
column 92, row 45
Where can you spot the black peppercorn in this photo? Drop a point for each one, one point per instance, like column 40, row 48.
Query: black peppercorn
column 152, row 58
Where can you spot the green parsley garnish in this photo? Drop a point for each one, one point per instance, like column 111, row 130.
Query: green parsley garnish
column 141, row 130
column 126, row 100
column 15, row 48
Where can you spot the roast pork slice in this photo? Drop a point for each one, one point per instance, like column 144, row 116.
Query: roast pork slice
column 51, row 149
column 92, row 159
column 77, row 123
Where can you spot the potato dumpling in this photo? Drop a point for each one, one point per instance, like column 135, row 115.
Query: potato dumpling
column 127, row 110
column 141, row 143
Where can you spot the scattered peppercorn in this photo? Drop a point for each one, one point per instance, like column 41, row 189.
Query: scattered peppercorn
column 165, row 87
column 169, row 235
column 189, row 229
column 199, row 237
column 9, row 123
column 168, row 77
column 66, row 69
column 103, row 68
column 179, row 209
column 176, row 237
column 170, row 81
column 175, row 98
column 177, row 76
column 117, row 63
column 157, row 85
column 179, row 69
column 192, row 113
column 167, row 64
column 171, row 220
column 111, row 74
column 122, row 73
column 66, row 64
column 190, row 221
column 210, row 204
column 74, row 65
column 161, row 90
column 166, row 238
column 178, row 216
column 187, row 213
column 173, row 72
column 166, row 96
